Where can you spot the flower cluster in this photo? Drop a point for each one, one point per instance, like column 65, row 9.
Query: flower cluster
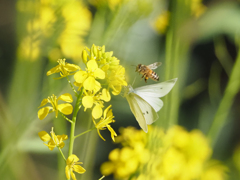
column 102, row 74
column 176, row 154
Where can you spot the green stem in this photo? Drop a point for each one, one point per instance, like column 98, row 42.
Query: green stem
column 76, row 109
column 69, row 120
column 72, row 86
column 223, row 110
column 84, row 132
column 61, row 153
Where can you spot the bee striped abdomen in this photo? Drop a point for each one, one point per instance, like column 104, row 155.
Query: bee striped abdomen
column 155, row 76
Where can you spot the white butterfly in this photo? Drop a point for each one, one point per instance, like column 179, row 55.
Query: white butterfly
column 144, row 101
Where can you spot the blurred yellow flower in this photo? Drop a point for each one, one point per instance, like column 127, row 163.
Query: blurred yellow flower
column 197, row 8
column 28, row 49
column 78, row 22
column 105, row 121
column 73, row 165
column 214, row 170
column 64, row 68
column 54, row 141
column 156, row 155
column 58, row 25
column 161, row 23
column 65, row 108
column 88, row 77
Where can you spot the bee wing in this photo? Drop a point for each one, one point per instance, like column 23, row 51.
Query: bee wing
column 155, row 90
column 154, row 65
column 143, row 112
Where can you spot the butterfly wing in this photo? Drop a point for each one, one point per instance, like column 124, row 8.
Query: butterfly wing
column 156, row 90
column 155, row 102
column 142, row 111
column 152, row 93
column 154, row 65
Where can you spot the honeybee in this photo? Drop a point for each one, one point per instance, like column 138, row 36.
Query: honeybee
column 147, row 71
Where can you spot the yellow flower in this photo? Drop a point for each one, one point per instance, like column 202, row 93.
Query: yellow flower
column 73, row 165
column 116, row 79
column 91, row 98
column 87, row 78
column 105, row 121
column 64, row 68
column 162, row 22
column 65, row 108
column 54, row 140
column 123, row 162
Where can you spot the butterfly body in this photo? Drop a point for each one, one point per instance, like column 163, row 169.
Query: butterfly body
column 147, row 71
column 145, row 101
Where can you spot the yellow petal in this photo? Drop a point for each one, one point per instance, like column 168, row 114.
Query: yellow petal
column 66, row 97
column 80, row 76
column 42, row 113
column 105, row 95
column 113, row 133
column 89, row 83
column 87, row 101
column 62, row 137
column 51, row 145
column 105, row 67
column 84, row 55
column 61, row 145
column 97, row 86
column 106, row 111
column 73, row 176
column 97, row 111
column 79, row 169
column 54, row 137
column 44, row 102
column 92, row 65
column 65, row 108
column 98, row 73
column 44, row 136
column 72, row 158
column 67, row 172
column 71, row 67
column 54, row 70
column 100, row 135
column 116, row 90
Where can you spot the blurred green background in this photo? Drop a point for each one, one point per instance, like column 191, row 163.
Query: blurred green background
column 198, row 42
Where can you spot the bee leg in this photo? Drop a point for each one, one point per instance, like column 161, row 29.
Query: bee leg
column 146, row 78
